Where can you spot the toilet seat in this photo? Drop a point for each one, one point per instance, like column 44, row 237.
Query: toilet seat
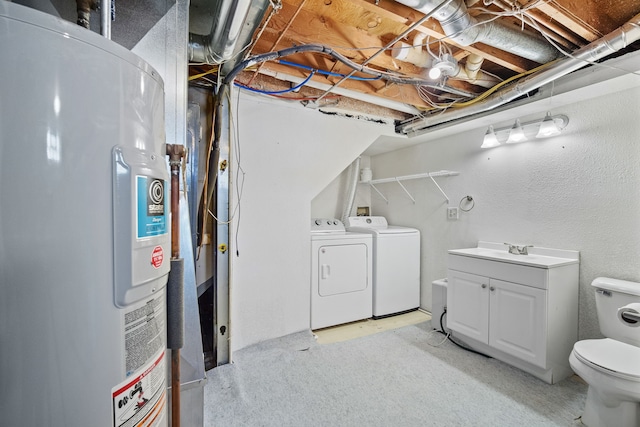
column 612, row 357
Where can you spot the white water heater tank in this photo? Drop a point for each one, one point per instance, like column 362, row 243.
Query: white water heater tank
column 84, row 228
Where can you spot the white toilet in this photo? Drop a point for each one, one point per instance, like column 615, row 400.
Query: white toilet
column 611, row 366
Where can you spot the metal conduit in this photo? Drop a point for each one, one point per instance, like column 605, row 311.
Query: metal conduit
column 230, row 18
column 465, row 30
column 611, row 43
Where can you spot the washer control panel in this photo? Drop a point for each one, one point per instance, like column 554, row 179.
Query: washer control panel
column 376, row 222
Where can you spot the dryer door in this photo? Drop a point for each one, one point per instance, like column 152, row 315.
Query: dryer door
column 342, row 269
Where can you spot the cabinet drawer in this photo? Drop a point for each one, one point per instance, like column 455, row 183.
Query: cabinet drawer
column 521, row 274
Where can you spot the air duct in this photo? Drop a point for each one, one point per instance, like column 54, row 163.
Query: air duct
column 605, row 46
column 225, row 39
column 465, row 30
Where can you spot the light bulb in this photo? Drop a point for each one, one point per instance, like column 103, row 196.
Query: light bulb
column 435, row 73
column 490, row 139
column 516, row 134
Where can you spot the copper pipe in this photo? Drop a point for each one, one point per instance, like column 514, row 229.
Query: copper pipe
column 175, row 388
column 84, row 8
column 175, row 153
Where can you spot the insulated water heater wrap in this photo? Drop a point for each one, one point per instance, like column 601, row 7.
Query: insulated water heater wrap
column 84, row 228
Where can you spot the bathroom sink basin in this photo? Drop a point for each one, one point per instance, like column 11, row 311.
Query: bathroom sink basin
column 537, row 257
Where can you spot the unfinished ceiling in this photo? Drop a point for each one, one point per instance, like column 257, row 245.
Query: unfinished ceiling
column 411, row 59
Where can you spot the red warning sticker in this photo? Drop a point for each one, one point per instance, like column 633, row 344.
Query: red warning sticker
column 157, row 256
column 140, row 401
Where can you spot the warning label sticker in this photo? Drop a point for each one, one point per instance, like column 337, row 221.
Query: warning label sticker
column 157, row 256
column 144, row 332
column 141, row 400
column 151, row 195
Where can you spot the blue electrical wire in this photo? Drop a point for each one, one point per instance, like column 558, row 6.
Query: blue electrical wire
column 276, row 92
column 326, row 73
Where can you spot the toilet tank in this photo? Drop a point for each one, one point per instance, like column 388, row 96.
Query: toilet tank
column 611, row 295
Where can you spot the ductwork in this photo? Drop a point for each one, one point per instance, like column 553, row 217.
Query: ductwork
column 465, row 30
column 230, row 19
column 611, row 43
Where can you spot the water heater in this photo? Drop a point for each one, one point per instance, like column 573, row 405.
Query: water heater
column 84, row 228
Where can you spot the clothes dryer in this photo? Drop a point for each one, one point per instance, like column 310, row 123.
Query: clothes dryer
column 341, row 274
column 396, row 264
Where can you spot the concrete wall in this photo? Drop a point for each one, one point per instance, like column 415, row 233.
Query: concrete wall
column 580, row 191
column 288, row 154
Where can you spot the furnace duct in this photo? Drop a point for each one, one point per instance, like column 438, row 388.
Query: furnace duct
column 465, row 30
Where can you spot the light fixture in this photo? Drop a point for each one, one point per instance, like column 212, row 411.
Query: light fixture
column 516, row 134
column 548, row 127
column 490, row 139
column 519, row 132
column 445, row 65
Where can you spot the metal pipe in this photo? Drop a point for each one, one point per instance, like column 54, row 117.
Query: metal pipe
column 84, row 12
column 465, row 30
column 611, row 43
column 221, row 44
column 105, row 18
column 175, row 153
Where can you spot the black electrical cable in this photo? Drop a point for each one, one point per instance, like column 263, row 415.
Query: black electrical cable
column 452, row 340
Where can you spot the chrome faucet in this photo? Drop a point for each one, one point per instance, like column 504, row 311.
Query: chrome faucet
column 518, row 250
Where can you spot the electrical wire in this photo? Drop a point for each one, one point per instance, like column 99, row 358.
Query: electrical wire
column 448, row 333
column 326, row 73
column 276, row 92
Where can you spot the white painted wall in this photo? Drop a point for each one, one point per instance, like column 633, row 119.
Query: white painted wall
column 289, row 154
column 579, row 191
column 330, row 202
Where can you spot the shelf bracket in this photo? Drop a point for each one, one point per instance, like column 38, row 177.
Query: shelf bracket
column 378, row 191
column 439, row 188
column 406, row 191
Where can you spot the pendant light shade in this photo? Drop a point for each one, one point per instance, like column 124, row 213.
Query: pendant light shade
column 548, row 127
column 490, row 139
column 516, row 134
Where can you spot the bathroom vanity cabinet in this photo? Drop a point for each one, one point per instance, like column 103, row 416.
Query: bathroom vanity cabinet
column 521, row 309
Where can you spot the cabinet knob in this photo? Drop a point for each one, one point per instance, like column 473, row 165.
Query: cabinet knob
column 483, row 286
column 492, row 288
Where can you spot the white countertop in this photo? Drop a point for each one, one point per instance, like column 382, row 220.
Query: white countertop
column 538, row 257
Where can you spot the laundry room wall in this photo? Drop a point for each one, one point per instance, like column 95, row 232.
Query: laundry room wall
column 330, row 202
column 579, row 191
column 288, row 155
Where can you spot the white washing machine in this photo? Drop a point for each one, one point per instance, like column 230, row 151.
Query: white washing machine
column 396, row 264
column 341, row 274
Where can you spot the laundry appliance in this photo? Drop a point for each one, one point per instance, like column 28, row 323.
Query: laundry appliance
column 396, row 264
column 341, row 274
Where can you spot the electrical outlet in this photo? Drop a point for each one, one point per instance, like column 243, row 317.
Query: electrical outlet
column 452, row 214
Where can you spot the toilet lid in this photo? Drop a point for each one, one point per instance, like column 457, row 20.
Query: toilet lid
column 615, row 357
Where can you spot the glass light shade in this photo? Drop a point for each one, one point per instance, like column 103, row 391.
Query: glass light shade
column 516, row 134
column 490, row 139
column 548, row 127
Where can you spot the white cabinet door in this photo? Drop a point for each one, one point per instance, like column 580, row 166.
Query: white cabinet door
column 517, row 321
column 468, row 305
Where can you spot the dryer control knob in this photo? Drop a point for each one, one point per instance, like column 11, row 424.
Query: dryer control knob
column 318, row 222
